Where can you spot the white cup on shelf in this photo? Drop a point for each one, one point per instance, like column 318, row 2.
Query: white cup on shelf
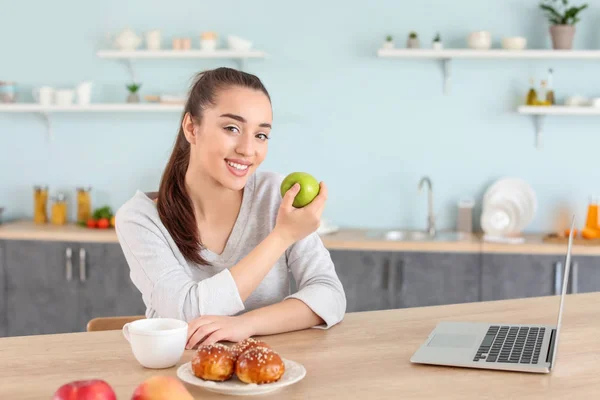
column 44, row 95
column 157, row 342
column 64, row 97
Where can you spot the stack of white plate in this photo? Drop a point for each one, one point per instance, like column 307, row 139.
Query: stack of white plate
column 509, row 205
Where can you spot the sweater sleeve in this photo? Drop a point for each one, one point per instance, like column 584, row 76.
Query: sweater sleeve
column 318, row 284
column 162, row 280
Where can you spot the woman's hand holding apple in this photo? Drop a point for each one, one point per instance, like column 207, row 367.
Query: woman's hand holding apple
column 293, row 223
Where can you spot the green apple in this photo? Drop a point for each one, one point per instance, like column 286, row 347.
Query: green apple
column 309, row 188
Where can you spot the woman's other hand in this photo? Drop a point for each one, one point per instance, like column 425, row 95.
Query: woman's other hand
column 293, row 223
column 211, row 329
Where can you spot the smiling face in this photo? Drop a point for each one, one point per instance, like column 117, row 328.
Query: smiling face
column 231, row 140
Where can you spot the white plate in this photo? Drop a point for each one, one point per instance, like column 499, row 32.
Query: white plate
column 294, row 372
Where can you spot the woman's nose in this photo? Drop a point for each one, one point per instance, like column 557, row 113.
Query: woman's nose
column 245, row 145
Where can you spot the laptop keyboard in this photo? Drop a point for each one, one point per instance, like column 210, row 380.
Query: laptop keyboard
column 511, row 344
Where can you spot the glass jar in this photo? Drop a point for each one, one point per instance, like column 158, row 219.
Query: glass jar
column 59, row 210
column 40, row 202
column 84, row 204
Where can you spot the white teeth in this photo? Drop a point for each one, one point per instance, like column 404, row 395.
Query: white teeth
column 238, row 166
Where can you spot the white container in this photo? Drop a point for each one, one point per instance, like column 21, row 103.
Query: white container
column 208, row 44
column 84, row 93
column 153, row 39
column 238, row 43
column 157, row 342
column 514, row 43
column 44, row 95
column 64, row 97
column 437, row 46
column 388, row 45
column 480, row 40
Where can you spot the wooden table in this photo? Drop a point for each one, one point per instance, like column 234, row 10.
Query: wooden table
column 365, row 357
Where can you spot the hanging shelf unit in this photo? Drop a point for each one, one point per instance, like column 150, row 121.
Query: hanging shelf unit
column 447, row 55
column 539, row 113
column 45, row 111
column 240, row 56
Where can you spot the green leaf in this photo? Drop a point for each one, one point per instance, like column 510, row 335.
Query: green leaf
column 103, row 212
column 553, row 13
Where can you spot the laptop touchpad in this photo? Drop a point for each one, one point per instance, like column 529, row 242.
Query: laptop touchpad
column 452, row 340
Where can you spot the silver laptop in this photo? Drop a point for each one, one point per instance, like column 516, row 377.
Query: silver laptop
column 511, row 347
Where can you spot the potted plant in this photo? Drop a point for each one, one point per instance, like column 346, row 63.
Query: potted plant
column 389, row 42
column 413, row 41
column 133, row 93
column 563, row 18
column 437, row 42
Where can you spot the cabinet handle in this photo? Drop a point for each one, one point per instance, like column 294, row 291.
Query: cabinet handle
column 82, row 272
column 557, row 277
column 69, row 264
column 574, row 280
column 391, row 286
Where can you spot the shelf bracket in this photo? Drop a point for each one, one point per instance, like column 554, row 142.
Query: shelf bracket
column 241, row 63
column 46, row 120
column 538, row 122
column 446, row 62
column 129, row 65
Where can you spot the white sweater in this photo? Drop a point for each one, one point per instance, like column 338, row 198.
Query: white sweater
column 172, row 286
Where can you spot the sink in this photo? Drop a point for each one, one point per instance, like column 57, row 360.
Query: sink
column 413, row 235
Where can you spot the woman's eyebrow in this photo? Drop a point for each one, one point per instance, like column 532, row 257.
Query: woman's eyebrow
column 243, row 120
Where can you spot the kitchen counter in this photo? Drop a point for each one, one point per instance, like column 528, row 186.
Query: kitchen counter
column 365, row 356
column 344, row 239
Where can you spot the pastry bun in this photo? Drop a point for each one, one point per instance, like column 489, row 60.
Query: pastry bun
column 259, row 365
column 214, row 362
column 247, row 344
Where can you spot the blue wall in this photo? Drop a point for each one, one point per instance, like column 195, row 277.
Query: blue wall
column 369, row 127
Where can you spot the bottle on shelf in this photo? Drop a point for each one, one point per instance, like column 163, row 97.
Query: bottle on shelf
column 59, row 210
column 543, row 94
column 84, row 204
column 550, row 100
column 532, row 98
column 40, row 203
column 592, row 214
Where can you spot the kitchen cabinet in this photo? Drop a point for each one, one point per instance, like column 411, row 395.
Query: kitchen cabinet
column 512, row 276
column 39, row 298
column 435, row 278
column 56, row 287
column 585, row 274
column 365, row 276
column 2, row 292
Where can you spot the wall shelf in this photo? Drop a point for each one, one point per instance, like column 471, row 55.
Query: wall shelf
column 447, row 55
column 241, row 56
column 45, row 111
column 99, row 107
column 538, row 113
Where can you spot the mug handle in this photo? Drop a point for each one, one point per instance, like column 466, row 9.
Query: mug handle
column 126, row 331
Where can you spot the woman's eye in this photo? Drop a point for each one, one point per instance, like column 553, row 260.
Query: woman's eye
column 232, row 129
column 262, row 136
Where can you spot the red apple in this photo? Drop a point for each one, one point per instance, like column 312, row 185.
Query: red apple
column 161, row 388
column 92, row 389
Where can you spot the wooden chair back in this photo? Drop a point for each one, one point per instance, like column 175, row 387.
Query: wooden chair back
column 111, row 323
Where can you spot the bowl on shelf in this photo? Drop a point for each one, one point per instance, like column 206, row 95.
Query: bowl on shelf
column 238, row 43
column 480, row 40
column 514, row 43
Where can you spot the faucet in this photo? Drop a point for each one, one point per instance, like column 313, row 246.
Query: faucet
column 430, row 216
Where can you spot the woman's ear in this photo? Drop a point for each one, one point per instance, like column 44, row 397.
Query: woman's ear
column 188, row 128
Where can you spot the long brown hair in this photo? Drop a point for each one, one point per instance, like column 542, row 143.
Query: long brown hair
column 174, row 205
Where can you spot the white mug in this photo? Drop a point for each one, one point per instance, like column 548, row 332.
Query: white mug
column 153, row 39
column 84, row 93
column 64, row 97
column 157, row 342
column 44, row 95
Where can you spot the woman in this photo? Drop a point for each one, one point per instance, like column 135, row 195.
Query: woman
column 215, row 245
